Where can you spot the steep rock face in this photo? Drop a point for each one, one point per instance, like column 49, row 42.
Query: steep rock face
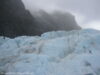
column 15, row 20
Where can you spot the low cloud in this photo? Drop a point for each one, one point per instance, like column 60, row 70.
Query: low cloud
column 93, row 25
column 86, row 11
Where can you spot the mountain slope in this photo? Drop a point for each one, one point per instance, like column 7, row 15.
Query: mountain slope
column 15, row 20
column 56, row 20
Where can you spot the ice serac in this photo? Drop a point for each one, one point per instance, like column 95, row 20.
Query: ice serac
column 54, row 53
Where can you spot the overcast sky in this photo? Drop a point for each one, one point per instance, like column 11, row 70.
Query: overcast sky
column 87, row 12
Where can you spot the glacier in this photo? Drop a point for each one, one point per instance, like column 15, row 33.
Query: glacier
column 74, row 52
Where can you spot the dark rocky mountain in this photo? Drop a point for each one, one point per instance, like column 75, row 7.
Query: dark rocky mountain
column 15, row 20
column 57, row 20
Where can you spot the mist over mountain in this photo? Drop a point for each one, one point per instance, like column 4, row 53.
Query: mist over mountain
column 15, row 20
column 56, row 20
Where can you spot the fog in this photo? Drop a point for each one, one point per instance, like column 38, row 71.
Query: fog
column 86, row 11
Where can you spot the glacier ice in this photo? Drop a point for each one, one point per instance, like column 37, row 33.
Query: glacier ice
column 75, row 52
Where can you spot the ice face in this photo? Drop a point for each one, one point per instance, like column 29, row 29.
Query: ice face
column 53, row 53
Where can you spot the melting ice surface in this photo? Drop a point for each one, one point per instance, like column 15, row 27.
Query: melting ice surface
column 52, row 53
